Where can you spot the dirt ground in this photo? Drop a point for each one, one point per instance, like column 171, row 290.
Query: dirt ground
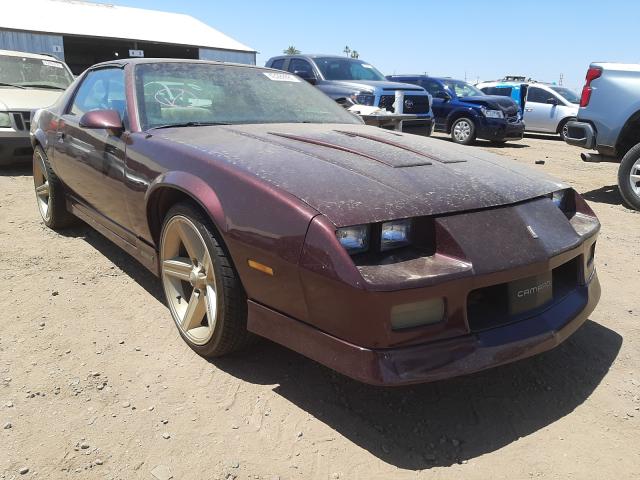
column 95, row 381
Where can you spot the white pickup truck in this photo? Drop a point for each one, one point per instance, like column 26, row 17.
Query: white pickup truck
column 609, row 122
column 27, row 82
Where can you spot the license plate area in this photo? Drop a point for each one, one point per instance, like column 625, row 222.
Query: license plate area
column 530, row 293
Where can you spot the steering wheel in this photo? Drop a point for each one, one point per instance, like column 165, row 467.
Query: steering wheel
column 172, row 96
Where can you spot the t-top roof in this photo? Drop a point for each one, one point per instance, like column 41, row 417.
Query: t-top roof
column 73, row 17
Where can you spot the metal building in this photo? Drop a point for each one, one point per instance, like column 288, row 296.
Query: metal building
column 84, row 33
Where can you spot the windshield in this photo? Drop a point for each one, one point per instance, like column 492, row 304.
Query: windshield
column 568, row 94
column 335, row 68
column 33, row 72
column 181, row 93
column 462, row 89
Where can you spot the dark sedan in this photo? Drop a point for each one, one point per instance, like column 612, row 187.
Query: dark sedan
column 266, row 209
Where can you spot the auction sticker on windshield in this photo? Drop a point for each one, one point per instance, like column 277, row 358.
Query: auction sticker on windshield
column 52, row 64
column 281, row 77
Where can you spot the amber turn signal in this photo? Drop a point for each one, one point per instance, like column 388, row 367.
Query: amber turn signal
column 260, row 267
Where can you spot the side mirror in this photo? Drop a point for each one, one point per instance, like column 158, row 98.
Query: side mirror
column 443, row 95
column 306, row 75
column 552, row 101
column 103, row 119
column 345, row 102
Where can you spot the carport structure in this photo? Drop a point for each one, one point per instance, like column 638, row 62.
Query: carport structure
column 85, row 33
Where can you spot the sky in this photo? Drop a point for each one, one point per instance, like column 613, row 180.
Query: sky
column 482, row 40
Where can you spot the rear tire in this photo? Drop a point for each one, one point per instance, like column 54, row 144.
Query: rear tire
column 463, row 131
column 629, row 178
column 562, row 129
column 50, row 193
column 202, row 288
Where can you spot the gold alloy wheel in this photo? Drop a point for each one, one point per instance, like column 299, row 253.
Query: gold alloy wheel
column 41, row 184
column 188, row 279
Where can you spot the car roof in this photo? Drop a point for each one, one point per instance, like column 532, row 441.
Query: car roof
column 440, row 79
column 139, row 61
column 316, row 55
column 39, row 56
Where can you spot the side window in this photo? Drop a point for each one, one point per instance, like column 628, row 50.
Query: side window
column 100, row 90
column 299, row 65
column 538, row 95
column 431, row 86
column 502, row 91
column 278, row 64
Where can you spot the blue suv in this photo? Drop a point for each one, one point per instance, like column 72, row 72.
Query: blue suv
column 466, row 113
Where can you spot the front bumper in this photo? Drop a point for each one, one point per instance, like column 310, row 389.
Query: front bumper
column 436, row 360
column 581, row 134
column 496, row 129
column 15, row 147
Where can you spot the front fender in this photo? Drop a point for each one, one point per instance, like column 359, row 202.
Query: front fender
column 195, row 188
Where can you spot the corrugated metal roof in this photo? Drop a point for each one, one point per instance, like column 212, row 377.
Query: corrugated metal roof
column 72, row 17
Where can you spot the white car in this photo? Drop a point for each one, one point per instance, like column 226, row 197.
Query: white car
column 547, row 108
column 27, row 82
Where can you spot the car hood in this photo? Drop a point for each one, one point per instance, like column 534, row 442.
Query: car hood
column 18, row 99
column 357, row 174
column 493, row 102
column 381, row 85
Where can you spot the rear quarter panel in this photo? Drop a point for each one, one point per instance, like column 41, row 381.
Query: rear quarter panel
column 615, row 98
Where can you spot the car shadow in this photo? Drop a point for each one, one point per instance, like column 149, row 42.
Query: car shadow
column 544, row 136
column 421, row 426
column 608, row 194
column 442, row 423
column 118, row 257
column 18, row 170
column 485, row 143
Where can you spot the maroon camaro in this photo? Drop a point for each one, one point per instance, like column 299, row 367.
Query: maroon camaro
column 267, row 209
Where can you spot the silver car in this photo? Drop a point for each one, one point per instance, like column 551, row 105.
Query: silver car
column 27, row 82
column 547, row 108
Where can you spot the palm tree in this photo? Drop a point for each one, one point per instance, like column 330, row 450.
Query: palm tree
column 347, row 50
column 355, row 54
column 291, row 51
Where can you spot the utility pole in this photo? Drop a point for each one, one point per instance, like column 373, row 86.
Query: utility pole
column 561, row 79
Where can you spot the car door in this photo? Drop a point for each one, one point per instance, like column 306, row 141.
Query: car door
column 440, row 106
column 302, row 69
column 539, row 115
column 91, row 161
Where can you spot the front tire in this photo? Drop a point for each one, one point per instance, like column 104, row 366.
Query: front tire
column 49, row 193
column 629, row 178
column 202, row 288
column 463, row 131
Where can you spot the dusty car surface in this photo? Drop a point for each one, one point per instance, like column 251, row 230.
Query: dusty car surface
column 27, row 81
column 267, row 209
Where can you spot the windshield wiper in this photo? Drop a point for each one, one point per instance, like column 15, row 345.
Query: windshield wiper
column 188, row 124
column 41, row 85
column 2, row 84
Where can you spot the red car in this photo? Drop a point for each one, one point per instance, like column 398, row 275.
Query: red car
column 266, row 209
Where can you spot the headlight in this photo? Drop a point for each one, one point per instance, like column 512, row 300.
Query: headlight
column 395, row 234
column 492, row 113
column 5, row 120
column 363, row 98
column 354, row 239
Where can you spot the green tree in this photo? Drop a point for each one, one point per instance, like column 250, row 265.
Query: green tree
column 291, row 51
column 355, row 54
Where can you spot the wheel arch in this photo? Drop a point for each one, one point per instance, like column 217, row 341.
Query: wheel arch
column 174, row 187
column 564, row 121
column 629, row 135
column 457, row 114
